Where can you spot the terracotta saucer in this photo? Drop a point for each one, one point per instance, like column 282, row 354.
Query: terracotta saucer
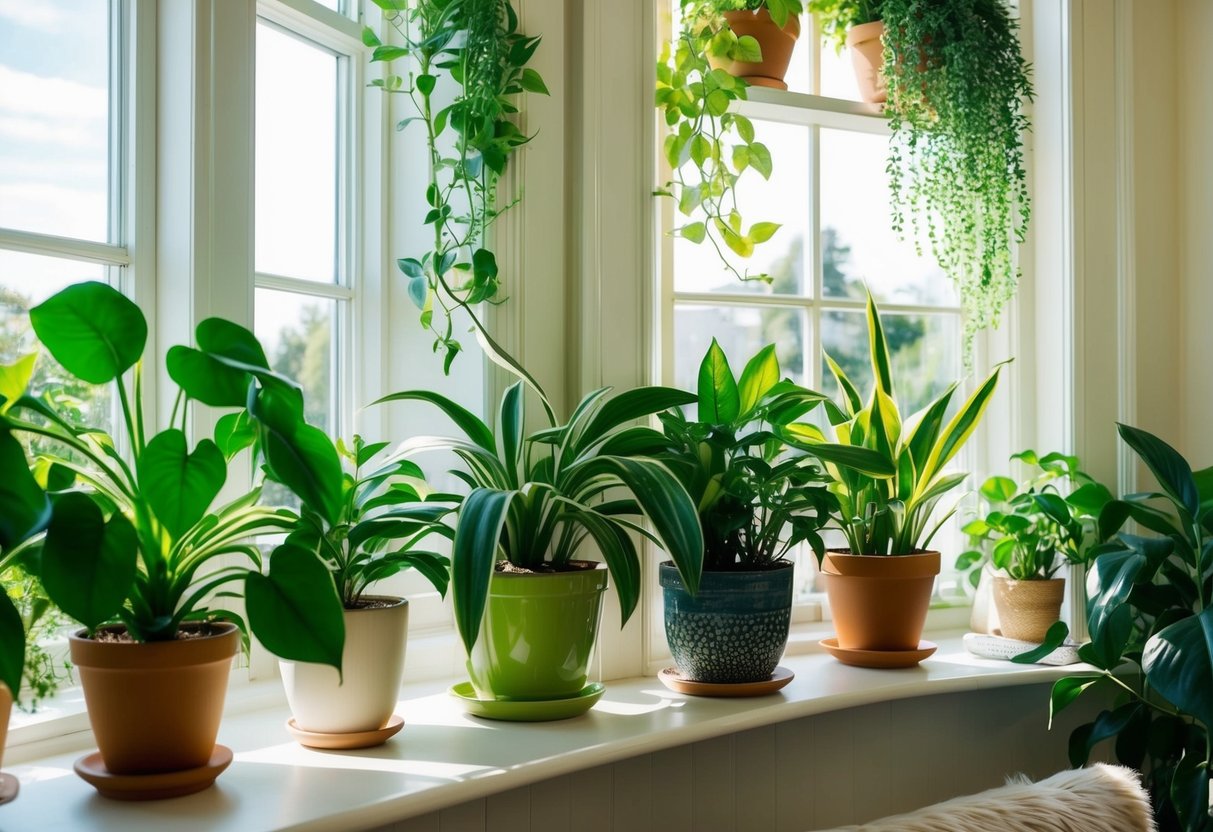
column 9, row 786
column 152, row 786
column 879, row 658
column 674, row 681
column 347, row 740
column 528, row 710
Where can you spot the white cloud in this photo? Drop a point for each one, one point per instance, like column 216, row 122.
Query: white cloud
column 28, row 94
column 35, row 15
column 62, row 132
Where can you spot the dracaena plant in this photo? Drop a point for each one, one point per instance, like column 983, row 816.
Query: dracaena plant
column 387, row 514
column 535, row 499
column 889, row 475
column 756, row 499
column 708, row 147
column 1150, row 616
column 1035, row 527
column 135, row 536
column 477, row 45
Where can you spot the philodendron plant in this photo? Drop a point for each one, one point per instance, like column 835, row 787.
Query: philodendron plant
column 756, row 500
column 134, row 537
column 1150, row 612
column 24, row 512
column 889, row 476
column 535, row 498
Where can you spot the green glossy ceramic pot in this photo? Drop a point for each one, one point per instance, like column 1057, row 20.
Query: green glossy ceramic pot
column 537, row 635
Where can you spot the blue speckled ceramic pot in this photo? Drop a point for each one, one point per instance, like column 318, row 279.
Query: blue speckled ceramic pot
column 735, row 629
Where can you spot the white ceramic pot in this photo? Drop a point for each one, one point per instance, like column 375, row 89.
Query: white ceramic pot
column 373, row 667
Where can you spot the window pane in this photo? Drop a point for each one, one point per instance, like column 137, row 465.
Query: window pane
column 54, row 117
column 924, row 350
column 297, row 333
column 296, row 232
column 25, row 281
column 783, row 199
column 858, row 244
column 837, row 73
column 741, row 331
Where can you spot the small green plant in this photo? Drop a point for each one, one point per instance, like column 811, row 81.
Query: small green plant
column 756, row 500
column 1150, row 615
column 1035, row 527
column 535, row 498
column 889, row 476
column 477, row 45
column 134, row 538
column 835, row 17
column 709, row 148
column 957, row 88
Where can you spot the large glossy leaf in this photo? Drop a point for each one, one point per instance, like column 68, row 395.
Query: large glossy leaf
column 207, row 379
column 882, row 372
column 14, row 379
column 864, row 460
column 761, row 373
column 477, row 533
column 851, row 397
column 1189, row 792
column 959, row 429
column 12, row 645
column 231, row 341
column 629, row 406
column 510, row 431
column 719, row 401
column 24, row 508
column 88, row 563
column 92, row 329
column 620, row 555
column 294, row 610
column 1055, row 636
column 1168, row 466
column 1066, row 690
column 925, row 433
column 471, row 425
column 177, row 484
column 298, row 455
column 1109, row 582
column 1178, row 661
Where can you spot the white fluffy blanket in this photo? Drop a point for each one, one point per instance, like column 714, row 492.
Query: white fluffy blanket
column 1101, row 798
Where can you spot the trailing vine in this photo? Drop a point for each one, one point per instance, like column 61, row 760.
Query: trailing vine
column 957, row 85
column 477, row 45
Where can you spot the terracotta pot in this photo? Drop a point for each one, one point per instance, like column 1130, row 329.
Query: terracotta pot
column 867, row 57
column 879, row 602
column 775, row 43
column 734, row 629
column 155, row 707
column 372, row 665
column 1026, row 609
column 9, row 785
column 537, row 635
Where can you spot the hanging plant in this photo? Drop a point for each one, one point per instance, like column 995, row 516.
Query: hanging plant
column 957, row 84
column 477, row 45
column 709, row 148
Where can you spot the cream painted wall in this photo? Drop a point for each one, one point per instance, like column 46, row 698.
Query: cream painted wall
column 1193, row 29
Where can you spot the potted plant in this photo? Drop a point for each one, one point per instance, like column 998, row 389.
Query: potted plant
column 526, row 606
column 1031, row 530
column 469, row 142
column 1150, row 616
column 709, row 148
column 136, row 552
column 24, row 512
column 384, row 519
column 856, row 24
column 888, row 477
column 756, row 502
column 957, row 86
column 774, row 26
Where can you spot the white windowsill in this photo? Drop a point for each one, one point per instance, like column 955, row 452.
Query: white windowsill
column 443, row 757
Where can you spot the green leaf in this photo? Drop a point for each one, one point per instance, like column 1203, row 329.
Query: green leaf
column 761, row 373
column 960, row 428
column 748, row 49
column 207, row 379
column 745, row 128
column 628, row 406
column 999, row 489
column 425, row 83
column 1168, row 466
column 760, row 232
column 1055, row 637
column 369, row 38
column 477, row 532
column 234, row 432
column 389, row 53
column 298, row 455
column 92, row 329
column 1189, row 791
column 719, row 401
column 1089, row 499
column 1066, row 690
column 12, row 645
column 180, row 486
column 878, row 348
column 24, row 508
column 14, row 379
column 620, row 555
column 864, row 460
column 471, row 425
column 696, row 232
column 1178, row 661
column 88, row 563
column 760, row 159
column 484, row 263
column 1054, row 506
column 531, row 82
column 294, row 610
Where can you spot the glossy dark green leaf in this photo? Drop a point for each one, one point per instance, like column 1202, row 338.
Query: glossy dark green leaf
column 761, row 373
column 92, row 329
column 471, row 425
column 510, row 429
column 1189, row 792
column 1066, row 690
column 234, row 432
column 864, row 460
column 1109, row 581
column 12, row 645
column 1090, row 498
column 631, row 405
column 1056, row 636
column 294, row 610
column 1168, row 466
column 24, row 508
column 1178, row 661
column 231, row 341
column 179, row 485
column 621, row 558
column 88, row 563
column 719, row 401
column 477, row 533
column 207, row 379
column 298, row 455
column 878, row 346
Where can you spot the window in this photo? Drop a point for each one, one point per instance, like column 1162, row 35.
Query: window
column 829, row 193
